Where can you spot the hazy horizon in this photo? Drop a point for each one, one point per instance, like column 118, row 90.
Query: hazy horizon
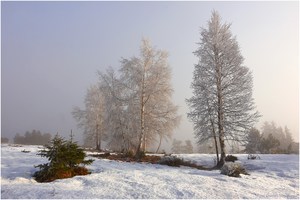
column 51, row 52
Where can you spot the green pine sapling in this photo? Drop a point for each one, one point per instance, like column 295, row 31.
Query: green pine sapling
column 66, row 159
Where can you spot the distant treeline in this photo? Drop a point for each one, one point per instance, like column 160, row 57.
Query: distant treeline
column 271, row 140
column 4, row 140
column 179, row 147
column 34, row 137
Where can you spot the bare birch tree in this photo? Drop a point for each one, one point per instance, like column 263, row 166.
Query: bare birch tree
column 91, row 119
column 222, row 106
column 134, row 106
column 147, row 79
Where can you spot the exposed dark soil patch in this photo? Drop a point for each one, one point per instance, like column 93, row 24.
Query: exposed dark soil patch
column 172, row 161
column 120, row 157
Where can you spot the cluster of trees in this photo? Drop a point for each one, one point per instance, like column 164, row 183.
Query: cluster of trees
column 179, row 147
column 232, row 147
column 4, row 140
column 272, row 139
column 222, row 107
column 131, row 108
column 34, row 137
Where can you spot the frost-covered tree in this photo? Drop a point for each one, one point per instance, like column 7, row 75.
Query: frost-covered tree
column 288, row 142
column 253, row 141
column 284, row 136
column 133, row 106
column 147, row 79
column 179, row 147
column 91, row 119
column 222, row 106
column 188, row 147
column 176, row 146
column 269, row 144
column 120, row 117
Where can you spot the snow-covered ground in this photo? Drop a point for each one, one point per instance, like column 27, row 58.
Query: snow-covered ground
column 274, row 176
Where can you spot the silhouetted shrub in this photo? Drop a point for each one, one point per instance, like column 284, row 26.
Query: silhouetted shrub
column 65, row 157
column 171, row 161
column 128, row 154
column 140, row 155
column 230, row 158
column 177, row 162
column 131, row 155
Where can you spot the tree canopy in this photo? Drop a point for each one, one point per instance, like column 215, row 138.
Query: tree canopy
column 222, row 106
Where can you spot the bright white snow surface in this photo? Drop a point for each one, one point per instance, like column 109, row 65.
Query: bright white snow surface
column 272, row 177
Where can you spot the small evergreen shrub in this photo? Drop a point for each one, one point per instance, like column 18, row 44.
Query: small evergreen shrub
column 66, row 160
column 233, row 169
column 230, row 158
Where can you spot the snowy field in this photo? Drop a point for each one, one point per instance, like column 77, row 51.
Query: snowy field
column 272, row 177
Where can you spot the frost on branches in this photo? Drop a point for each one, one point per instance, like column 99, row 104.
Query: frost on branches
column 91, row 119
column 134, row 108
column 222, row 107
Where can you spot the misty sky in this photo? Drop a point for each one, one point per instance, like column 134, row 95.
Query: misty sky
column 51, row 52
